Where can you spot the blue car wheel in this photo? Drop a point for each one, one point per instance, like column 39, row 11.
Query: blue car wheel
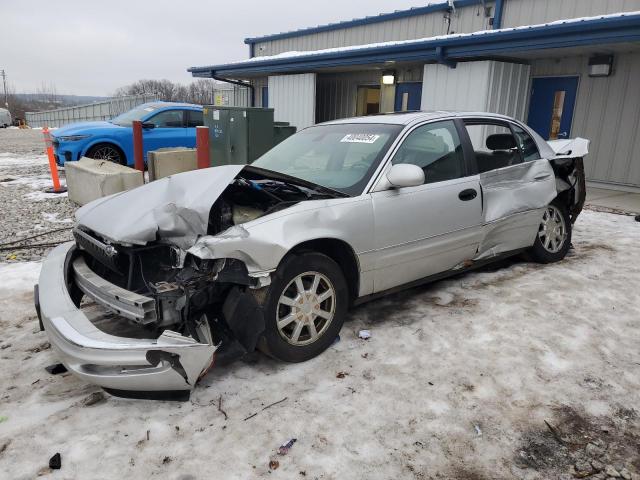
column 106, row 151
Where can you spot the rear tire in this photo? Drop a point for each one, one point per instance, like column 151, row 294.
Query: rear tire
column 108, row 152
column 554, row 234
column 305, row 307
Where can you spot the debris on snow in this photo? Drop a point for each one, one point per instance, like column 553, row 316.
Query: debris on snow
column 364, row 334
column 56, row 369
column 286, row 446
column 55, row 462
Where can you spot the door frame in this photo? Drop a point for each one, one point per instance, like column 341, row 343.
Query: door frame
column 568, row 75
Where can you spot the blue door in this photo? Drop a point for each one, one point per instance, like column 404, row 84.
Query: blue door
column 408, row 96
column 265, row 97
column 551, row 106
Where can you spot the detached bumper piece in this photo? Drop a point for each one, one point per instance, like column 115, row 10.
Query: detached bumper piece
column 167, row 366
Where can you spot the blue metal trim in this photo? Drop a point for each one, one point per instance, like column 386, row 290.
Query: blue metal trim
column 383, row 17
column 497, row 16
column 586, row 32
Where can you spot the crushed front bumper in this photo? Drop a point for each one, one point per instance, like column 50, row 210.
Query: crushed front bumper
column 171, row 362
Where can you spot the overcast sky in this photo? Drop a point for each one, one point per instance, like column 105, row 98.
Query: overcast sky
column 87, row 47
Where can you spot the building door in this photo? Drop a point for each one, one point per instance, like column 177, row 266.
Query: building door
column 265, row 97
column 551, row 106
column 408, row 96
column 368, row 101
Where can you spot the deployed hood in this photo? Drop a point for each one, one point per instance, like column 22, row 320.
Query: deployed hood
column 82, row 128
column 175, row 208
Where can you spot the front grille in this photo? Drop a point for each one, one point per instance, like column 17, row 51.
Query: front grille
column 104, row 253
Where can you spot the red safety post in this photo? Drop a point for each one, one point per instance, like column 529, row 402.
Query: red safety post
column 202, row 147
column 52, row 163
column 137, row 146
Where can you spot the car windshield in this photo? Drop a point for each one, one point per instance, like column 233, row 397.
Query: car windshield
column 341, row 157
column 125, row 119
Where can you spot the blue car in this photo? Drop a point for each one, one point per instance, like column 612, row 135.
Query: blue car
column 164, row 124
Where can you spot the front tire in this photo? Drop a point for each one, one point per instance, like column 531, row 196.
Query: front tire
column 554, row 234
column 305, row 307
column 108, row 152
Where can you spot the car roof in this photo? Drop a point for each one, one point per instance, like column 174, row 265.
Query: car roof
column 407, row 118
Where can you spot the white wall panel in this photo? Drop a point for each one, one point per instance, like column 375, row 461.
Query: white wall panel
column 293, row 98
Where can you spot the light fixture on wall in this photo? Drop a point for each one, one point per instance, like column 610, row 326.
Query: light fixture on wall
column 600, row 65
column 388, row 77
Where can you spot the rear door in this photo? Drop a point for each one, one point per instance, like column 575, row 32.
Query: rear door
column 427, row 229
column 169, row 131
column 516, row 184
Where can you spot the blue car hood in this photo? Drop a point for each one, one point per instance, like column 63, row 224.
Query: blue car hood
column 83, row 128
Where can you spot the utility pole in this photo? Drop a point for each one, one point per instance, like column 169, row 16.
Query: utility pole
column 4, row 84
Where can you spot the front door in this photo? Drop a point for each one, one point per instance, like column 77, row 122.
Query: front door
column 408, row 96
column 551, row 106
column 427, row 229
column 169, row 131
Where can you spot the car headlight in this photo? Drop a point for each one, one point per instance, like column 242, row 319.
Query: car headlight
column 73, row 138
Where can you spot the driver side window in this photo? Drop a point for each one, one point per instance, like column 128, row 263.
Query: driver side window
column 168, row 119
column 436, row 148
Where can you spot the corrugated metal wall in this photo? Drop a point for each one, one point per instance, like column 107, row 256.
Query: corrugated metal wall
column 463, row 88
column 607, row 112
column 530, row 12
column 509, row 89
column 86, row 113
column 465, row 20
column 487, row 86
column 293, row 98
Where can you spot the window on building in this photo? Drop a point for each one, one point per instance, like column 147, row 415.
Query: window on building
column 435, row 148
column 168, row 119
column 494, row 146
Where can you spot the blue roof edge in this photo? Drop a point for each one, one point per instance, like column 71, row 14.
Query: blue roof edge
column 555, row 35
column 383, row 17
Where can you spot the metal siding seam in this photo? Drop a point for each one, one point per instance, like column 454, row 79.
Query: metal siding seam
column 618, row 118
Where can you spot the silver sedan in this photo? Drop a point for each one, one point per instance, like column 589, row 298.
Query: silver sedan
column 202, row 267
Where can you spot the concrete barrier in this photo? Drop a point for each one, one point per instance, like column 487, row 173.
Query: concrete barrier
column 88, row 179
column 169, row 161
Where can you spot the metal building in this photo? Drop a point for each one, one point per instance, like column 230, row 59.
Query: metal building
column 568, row 68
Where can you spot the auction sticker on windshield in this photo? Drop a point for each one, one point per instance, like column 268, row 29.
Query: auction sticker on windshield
column 360, row 138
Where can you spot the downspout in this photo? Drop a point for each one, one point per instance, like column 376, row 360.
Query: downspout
column 241, row 84
column 497, row 18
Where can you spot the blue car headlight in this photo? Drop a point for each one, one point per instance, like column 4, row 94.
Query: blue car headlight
column 73, row 138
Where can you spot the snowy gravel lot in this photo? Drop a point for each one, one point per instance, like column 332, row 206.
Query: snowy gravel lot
column 517, row 371
column 26, row 209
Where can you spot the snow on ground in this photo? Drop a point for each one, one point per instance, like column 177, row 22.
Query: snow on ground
column 456, row 382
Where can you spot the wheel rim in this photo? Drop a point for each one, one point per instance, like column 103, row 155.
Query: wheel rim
column 552, row 231
column 306, row 308
column 107, row 153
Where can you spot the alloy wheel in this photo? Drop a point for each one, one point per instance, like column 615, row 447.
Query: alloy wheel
column 107, row 153
column 552, row 231
column 306, row 308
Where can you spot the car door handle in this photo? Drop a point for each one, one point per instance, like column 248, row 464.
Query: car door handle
column 468, row 194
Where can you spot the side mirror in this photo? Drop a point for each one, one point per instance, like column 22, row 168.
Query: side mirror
column 405, row 175
column 148, row 125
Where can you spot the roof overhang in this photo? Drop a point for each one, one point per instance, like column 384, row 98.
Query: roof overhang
column 601, row 30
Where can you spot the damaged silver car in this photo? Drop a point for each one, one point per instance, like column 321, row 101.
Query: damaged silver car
column 205, row 266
